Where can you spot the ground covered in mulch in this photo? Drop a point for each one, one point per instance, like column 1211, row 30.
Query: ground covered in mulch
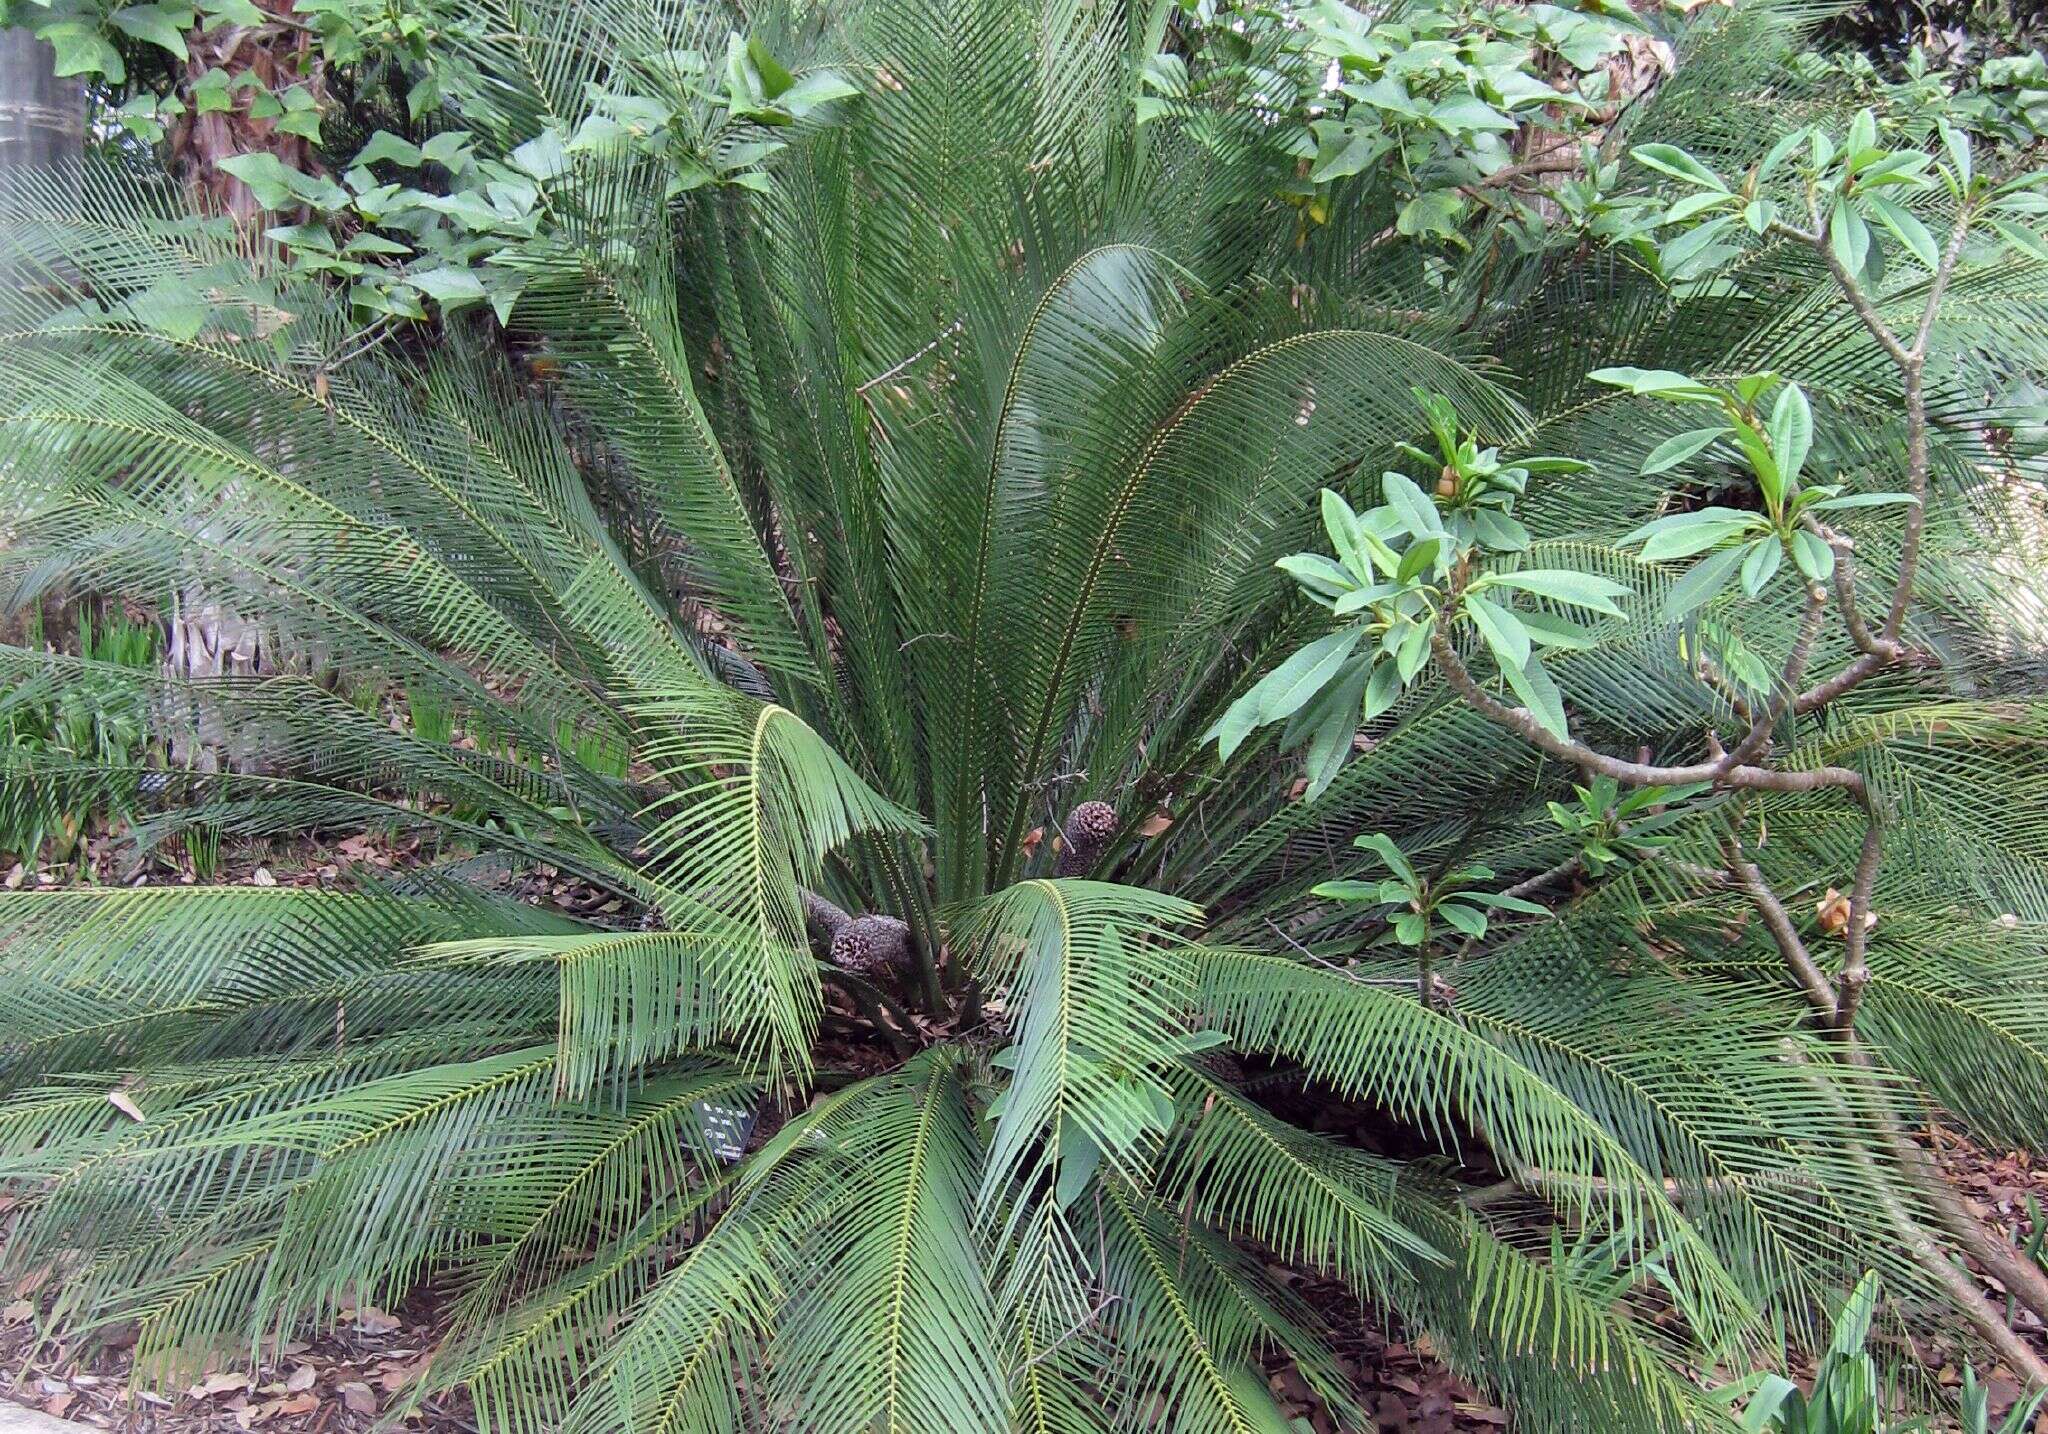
column 347, row 1379
column 344, row 1380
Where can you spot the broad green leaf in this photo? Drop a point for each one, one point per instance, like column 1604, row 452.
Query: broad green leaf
column 1849, row 236
column 1364, row 598
column 1566, row 585
column 1302, row 675
column 815, row 90
column 1762, row 563
column 386, row 145
column 1906, row 228
column 1415, row 510
column 1505, row 902
column 1329, row 746
column 1239, row 720
column 1347, row 535
column 231, row 12
column 1547, row 631
column 1791, row 431
column 1499, row 532
column 1687, row 539
column 543, row 157
column 1347, row 890
column 1318, row 574
column 1691, row 244
column 1383, row 845
column 2025, row 240
column 1736, row 517
column 82, row 50
column 161, row 25
column 1675, row 450
column 1381, row 690
column 1701, row 583
column 448, row 286
column 1670, row 159
column 1532, row 684
column 1419, row 558
column 1958, row 145
column 1655, row 382
column 1435, row 211
column 1862, row 500
column 1814, row 557
column 1694, row 204
column 1413, row 652
column 1463, row 918
column 1503, row 633
column 1762, row 461
column 1778, row 153
column 269, row 179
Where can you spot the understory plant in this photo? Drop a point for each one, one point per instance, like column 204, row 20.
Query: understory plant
column 1021, row 744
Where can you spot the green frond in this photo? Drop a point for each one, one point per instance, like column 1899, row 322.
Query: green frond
column 1097, row 980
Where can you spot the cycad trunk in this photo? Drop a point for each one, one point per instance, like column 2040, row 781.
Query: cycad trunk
column 208, row 639
column 280, row 53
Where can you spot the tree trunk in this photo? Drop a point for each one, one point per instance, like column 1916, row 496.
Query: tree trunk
column 209, row 640
column 42, row 118
column 279, row 52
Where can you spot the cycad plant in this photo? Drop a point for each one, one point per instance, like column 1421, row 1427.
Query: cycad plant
column 923, row 488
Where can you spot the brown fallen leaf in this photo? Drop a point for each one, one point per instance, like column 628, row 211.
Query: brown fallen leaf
column 1153, row 825
column 220, row 1383
column 372, row 1320
column 56, row 1404
column 358, row 1397
column 18, row 1312
column 299, row 1404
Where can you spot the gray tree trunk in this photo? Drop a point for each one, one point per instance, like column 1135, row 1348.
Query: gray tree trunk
column 42, row 118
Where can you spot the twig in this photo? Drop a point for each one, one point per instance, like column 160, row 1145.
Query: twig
column 1072, row 1330
column 888, row 373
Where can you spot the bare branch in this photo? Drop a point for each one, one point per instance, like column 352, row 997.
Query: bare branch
column 1813, row 982
column 1524, row 724
column 1856, row 964
column 1760, row 729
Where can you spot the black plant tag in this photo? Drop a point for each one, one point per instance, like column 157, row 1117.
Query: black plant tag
column 725, row 1129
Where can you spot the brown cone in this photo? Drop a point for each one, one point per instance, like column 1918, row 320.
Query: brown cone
column 1088, row 830
column 867, row 944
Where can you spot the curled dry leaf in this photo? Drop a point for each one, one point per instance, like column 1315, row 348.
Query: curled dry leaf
column 120, row 1101
column 1832, row 910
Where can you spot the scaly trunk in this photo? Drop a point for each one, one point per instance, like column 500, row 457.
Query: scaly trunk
column 280, row 53
column 208, row 639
